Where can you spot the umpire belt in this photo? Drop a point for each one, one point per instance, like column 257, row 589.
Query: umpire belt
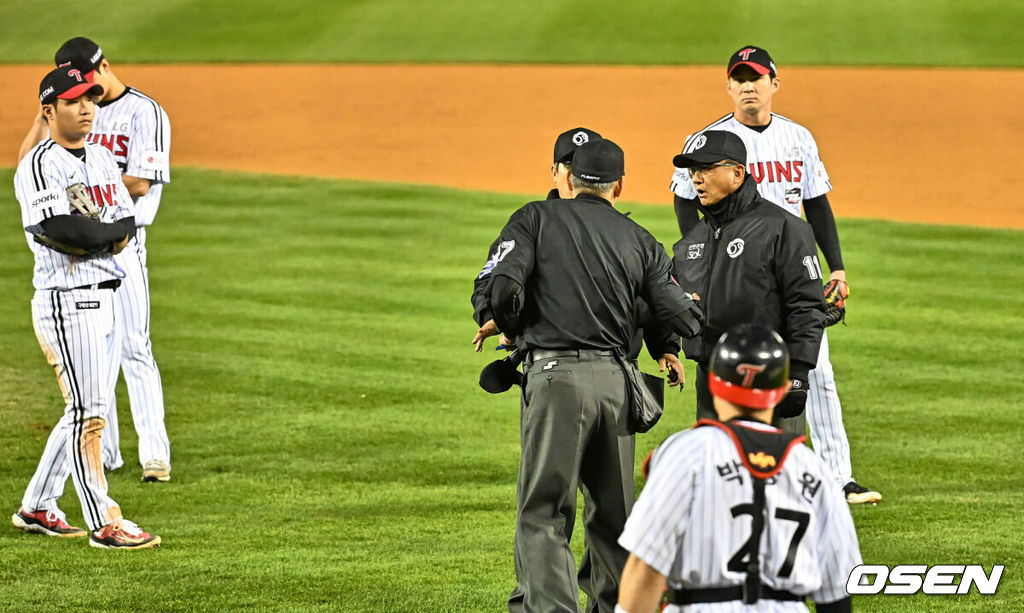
column 582, row 354
column 725, row 594
column 111, row 284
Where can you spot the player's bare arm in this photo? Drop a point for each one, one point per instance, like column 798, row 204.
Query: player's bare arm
column 641, row 587
column 137, row 186
column 35, row 135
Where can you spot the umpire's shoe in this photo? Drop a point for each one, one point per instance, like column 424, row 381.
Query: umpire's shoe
column 858, row 494
column 122, row 534
column 50, row 523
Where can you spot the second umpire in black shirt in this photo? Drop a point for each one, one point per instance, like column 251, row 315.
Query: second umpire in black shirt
column 566, row 286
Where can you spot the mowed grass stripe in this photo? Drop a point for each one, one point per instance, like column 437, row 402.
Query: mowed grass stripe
column 799, row 32
column 333, row 452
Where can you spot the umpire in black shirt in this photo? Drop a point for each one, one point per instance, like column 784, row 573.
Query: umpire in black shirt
column 566, row 288
column 749, row 261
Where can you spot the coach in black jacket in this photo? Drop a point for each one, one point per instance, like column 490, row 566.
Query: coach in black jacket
column 748, row 261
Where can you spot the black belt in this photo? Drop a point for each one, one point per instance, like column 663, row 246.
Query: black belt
column 111, row 284
column 725, row 594
column 583, row 354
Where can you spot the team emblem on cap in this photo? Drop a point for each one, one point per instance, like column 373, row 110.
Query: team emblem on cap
column 700, row 142
column 579, row 138
column 735, row 247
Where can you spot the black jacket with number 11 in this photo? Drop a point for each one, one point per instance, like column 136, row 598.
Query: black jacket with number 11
column 752, row 262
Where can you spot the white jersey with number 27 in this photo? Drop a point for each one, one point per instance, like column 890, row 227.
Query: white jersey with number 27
column 692, row 522
column 783, row 159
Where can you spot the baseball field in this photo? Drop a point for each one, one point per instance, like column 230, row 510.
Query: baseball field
column 339, row 169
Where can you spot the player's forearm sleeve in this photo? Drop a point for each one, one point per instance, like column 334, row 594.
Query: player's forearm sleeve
column 686, row 213
column 823, row 222
column 83, row 232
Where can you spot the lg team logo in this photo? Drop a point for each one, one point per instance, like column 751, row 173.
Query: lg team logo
column 579, row 138
column 700, row 142
column 735, row 248
column 911, row 579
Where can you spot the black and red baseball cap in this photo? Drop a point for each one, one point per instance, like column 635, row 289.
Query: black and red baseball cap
column 66, row 83
column 749, row 367
column 755, row 57
column 80, row 53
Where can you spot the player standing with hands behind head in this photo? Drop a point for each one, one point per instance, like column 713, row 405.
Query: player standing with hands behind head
column 73, row 312
column 136, row 130
column 782, row 156
column 736, row 512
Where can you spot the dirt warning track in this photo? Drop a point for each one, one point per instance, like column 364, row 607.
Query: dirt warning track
column 925, row 145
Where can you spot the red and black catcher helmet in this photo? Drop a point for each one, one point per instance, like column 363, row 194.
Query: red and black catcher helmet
column 750, row 367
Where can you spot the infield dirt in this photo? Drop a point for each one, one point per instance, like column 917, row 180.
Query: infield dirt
column 922, row 145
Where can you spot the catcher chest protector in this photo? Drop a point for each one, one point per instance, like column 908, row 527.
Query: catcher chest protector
column 763, row 453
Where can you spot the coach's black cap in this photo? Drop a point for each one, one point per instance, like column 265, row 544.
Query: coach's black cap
column 712, row 146
column 569, row 141
column 755, row 57
column 81, row 53
column 599, row 161
column 67, row 83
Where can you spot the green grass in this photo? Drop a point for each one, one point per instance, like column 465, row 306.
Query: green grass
column 332, row 450
column 798, row 32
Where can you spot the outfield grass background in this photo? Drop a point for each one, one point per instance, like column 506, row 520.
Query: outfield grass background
column 333, row 452
column 331, row 448
column 798, row 32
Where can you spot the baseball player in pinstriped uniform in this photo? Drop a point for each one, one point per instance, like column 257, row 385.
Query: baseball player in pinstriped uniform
column 721, row 539
column 73, row 310
column 136, row 130
column 783, row 157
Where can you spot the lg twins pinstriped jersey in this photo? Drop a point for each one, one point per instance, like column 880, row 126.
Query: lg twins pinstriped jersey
column 40, row 182
column 783, row 159
column 693, row 520
column 136, row 130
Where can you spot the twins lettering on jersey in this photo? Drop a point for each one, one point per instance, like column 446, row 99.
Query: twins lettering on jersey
column 790, row 171
column 103, row 195
column 116, row 143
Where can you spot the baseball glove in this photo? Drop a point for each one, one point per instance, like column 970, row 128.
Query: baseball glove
column 836, row 293
column 81, row 201
column 43, row 239
column 81, row 204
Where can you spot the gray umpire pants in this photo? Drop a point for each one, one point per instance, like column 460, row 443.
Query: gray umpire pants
column 573, row 435
column 706, row 407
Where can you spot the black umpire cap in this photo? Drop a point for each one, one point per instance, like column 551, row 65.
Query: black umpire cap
column 81, row 53
column 600, row 161
column 67, row 83
column 712, row 146
column 755, row 57
column 569, row 141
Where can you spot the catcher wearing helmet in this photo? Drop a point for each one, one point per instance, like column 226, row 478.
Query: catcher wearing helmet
column 736, row 509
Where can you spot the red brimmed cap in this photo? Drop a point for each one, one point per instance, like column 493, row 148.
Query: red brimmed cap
column 755, row 57
column 67, row 83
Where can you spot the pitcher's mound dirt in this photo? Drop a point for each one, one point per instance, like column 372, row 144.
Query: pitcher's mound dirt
column 937, row 146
